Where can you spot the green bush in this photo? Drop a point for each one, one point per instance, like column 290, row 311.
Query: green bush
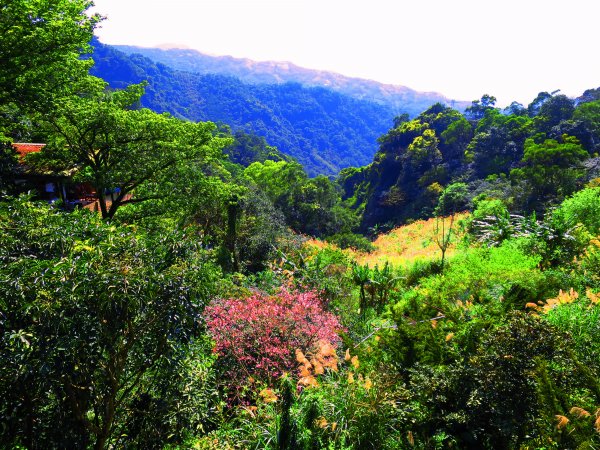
column 97, row 327
column 480, row 275
column 589, row 265
column 476, row 290
column 582, row 208
column 504, row 392
column 581, row 320
column 557, row 239
column 490, row 223
column 326, row 270
column 421, row 269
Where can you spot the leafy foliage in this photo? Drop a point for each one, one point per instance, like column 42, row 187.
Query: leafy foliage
column 552, row 167
column 115, row 148
column 97, row 321
column 249, row 148
column 531, row 160
column 310, row 206
column 582, row 208
column 40, row 49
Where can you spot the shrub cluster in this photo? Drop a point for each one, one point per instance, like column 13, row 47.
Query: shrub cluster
column 256, row 337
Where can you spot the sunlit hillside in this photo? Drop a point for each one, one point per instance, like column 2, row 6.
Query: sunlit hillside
column 402, row 245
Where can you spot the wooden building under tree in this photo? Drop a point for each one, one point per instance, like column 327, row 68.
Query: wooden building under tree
column 49, row 185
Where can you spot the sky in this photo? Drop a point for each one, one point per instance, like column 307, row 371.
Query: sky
column 511, row 49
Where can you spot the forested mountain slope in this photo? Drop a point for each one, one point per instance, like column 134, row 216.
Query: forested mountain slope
column 529, row 157
column 400, row 98
column 324, row 130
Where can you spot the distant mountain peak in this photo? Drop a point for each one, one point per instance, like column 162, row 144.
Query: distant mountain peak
column 172, row 46
column 399, row 98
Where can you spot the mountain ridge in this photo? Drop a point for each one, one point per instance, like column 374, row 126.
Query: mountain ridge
column 323, row 129
column 401, row 99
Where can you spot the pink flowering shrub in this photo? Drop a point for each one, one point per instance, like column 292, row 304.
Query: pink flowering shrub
column 257, row 337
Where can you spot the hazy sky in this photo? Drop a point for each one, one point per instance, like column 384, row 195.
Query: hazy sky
column 512, row 49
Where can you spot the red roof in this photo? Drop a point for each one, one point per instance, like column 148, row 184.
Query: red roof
column 26, row 148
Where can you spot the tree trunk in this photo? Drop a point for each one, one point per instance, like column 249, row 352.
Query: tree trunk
column 231, row 238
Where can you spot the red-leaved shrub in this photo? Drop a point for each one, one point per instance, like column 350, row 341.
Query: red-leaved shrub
column 257, row 337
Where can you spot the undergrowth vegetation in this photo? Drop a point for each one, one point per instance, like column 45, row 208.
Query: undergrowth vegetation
column 180, row 304
column 497, row 348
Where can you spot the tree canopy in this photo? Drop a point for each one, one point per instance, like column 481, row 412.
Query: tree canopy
column 40, row 49
column 120, row 150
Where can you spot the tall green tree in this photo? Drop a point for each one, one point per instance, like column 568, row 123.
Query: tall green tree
column 534, row 107
column 276, row 178
column 122, row 151
column 553, row 111
column 454, row 141
column 478, row 107
column 493, row 152
column 589, row 114
column 41, row 42
column 515, row 109
column 552, row 167
column 310, row 205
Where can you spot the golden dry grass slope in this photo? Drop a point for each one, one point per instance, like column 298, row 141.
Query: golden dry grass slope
column 402, row 245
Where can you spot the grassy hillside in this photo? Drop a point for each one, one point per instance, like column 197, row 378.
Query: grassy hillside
column 406, row 244
column 401, row 246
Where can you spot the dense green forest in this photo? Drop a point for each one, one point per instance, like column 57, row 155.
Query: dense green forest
column 530, row 157
column 324, row 130
column 400, row 99
column 218, row 297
